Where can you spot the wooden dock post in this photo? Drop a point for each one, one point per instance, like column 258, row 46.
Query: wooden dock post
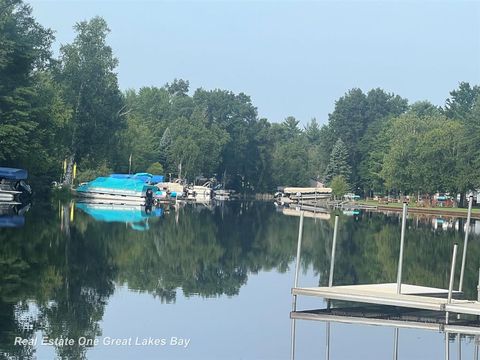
column 465, row 242
column 402, row 243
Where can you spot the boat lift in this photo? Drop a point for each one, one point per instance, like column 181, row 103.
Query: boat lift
column 394, row 295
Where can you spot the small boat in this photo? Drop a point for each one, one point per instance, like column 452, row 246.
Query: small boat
column 202, row 193
column 175, row 189
column 13, row 187
column 126, row 190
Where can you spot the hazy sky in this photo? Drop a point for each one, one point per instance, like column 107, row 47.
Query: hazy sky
column 292, row 58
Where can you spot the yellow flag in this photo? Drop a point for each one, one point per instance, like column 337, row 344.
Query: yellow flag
column 64, row 166
column 74, row 170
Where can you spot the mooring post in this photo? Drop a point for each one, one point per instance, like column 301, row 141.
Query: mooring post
column 452, row 278
column 332, row 257
column 478, row 286
column 475, row 354
column 459, row 353
column 395, row 344
column 327, row 345
column 295, row 284
column 330, row 284
column 447, row 346
column 292, row 344
column 465, row 242
column 452, row 273
column 297, row 266
column 402, row 243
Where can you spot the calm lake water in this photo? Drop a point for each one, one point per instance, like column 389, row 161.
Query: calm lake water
column 209, row 282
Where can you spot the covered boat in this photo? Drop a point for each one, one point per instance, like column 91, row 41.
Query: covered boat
column 13, row 185
column 129, row 190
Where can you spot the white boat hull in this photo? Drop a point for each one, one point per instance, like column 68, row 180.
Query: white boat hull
column 8, row 195
column 113, row 198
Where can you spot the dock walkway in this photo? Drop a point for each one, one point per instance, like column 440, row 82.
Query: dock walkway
column 412, row 296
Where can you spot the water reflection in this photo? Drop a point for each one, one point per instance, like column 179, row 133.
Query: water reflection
column 12, row 215
column 135, row 216
column 59, row 270
column 465, row 329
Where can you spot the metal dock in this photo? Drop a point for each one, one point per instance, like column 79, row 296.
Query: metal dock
column 413, row 301
column 412, row 296
column 383, row 316
column 393, row 294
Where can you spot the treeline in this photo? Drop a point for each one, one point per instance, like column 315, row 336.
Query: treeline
column 71, row 108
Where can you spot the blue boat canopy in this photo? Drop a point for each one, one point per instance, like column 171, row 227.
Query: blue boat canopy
column 127, row 184
column 145, row 177
column 13, row 174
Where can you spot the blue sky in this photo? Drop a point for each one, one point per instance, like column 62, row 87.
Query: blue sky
column 293, row 58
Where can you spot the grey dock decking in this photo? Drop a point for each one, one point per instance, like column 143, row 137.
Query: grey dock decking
column 412, row 296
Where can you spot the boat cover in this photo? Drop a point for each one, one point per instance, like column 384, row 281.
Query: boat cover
column 145, row 177
column 126, row 184
column 13, row 174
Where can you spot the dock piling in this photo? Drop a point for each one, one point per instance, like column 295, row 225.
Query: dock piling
column 447, row 346
column 478, row 286
column 299, row 246
column 465, row 242
column 332, row 258
column 402, row 243
column 395, row 344
column 295, row 284
column 452, row 273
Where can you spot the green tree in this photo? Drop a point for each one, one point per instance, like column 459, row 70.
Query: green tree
column 339, row 186
column 290, row 164
column 24, row 53
column 338, row 165
column 461, row 101
column 89, row 82
column 425, row 155
column 155, row 168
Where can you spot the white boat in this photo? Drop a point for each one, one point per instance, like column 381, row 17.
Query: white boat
column 12, row 185
column 175, row 189
column 200, row 193
column 119, row 190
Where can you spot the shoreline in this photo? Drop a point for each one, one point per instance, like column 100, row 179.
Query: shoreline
column 453, row 212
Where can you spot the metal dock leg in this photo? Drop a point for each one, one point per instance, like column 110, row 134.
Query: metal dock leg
column 402, row 243
column 465, row 243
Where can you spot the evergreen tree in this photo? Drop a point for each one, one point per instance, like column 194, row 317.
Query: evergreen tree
column 338, row 165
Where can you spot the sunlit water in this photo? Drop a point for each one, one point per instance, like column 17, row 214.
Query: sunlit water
column 209, row 282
